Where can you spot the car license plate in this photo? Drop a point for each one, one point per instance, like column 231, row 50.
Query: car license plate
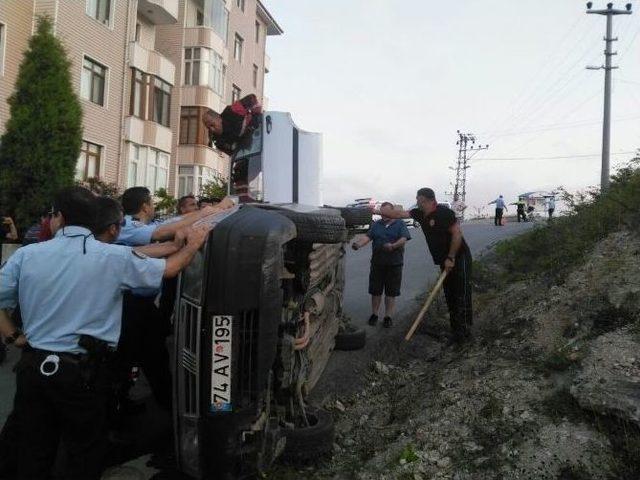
column 221, row 363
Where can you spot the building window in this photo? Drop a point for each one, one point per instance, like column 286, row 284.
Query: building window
column 235, row 93
column 137, row 34
column 192, row 66
column 138, row 93
column 213, row 14
column 191, row 179
column 100, row 10
column 255, row 76
column 161, row 102
column 237, row 48
column 257, row 31
column 88, row 165
column 191, row 128
column 216, row 73
column 203, row 66
column 136, row 164
column 157, row 170
column 3, row 30
column 94, row 79
column 240, row 4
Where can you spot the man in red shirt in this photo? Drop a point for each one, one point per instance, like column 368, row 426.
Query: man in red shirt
column 236, row 122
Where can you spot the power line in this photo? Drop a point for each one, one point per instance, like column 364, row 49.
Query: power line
column 559, row 157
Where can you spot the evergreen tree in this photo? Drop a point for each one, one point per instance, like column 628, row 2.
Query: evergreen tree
column 41, row 144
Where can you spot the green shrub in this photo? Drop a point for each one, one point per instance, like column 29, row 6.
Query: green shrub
column 592, row 216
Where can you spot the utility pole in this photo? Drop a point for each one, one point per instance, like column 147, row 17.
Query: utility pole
column 609, row 12
column 466, row 149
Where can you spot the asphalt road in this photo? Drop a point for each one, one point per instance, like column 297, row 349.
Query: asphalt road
column 345, row 370
column 419, row 272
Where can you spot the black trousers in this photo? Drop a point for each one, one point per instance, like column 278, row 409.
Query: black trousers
column 67, row 407
column 457, row 291
column 522, row 214
column 498, row 219
column 143, row 342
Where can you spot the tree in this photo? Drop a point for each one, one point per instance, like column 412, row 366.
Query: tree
column 100, row 187
column 216, row 188
column 166, row 202
column 43, row 135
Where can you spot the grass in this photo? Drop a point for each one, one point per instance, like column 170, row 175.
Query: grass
column 552, row 249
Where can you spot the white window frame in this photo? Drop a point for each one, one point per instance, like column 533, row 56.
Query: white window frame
column 109, row 22
column 3, row 45
column 235, row 97
column 191, row 179
column 191, row 62
column 154, row 167
column 238, row 46
column 105, row 93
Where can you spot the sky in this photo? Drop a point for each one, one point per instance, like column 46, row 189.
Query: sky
column 389, row 83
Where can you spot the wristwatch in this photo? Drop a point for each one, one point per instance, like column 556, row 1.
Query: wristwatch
column 13, row 337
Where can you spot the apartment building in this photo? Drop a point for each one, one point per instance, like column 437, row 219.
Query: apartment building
column 146, row 71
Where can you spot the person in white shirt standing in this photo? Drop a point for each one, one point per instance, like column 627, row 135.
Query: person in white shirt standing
column 501, row 207
column 551, row 206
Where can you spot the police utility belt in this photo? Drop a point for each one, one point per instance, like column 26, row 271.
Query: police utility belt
column 99, row 353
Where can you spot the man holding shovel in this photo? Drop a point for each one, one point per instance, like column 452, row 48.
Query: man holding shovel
column 450, row 251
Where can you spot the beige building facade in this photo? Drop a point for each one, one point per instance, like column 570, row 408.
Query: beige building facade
column 146, row 71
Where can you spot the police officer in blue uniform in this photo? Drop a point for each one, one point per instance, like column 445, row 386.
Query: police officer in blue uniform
column 144, row 331
column 70, row 293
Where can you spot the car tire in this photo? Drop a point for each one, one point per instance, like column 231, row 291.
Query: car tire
column 317, row 227
column 309, row 444
column 350, row 338
column 354, row 217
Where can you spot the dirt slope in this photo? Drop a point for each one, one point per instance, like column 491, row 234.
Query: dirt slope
column 549, row 388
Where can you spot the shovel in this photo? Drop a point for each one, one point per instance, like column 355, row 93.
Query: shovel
column 426, row 305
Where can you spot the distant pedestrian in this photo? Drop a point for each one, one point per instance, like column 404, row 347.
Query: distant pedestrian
column 520, row 207
column 501, row 207
column 450, row 252
column 551, row 207
column 388, row 236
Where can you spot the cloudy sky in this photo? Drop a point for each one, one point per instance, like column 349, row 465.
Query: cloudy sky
column 389, row 83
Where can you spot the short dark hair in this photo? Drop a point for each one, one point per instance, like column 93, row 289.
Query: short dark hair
column 427, row 193
column 134, row 198
column 208, row 200
column 183, row 199
column 386, row 204
column 109, row 212
column 77, row 205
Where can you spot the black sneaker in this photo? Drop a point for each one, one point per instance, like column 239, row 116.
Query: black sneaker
column 387, row 322
column 373, row 319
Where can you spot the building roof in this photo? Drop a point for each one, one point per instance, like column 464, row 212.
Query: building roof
column 272, row 26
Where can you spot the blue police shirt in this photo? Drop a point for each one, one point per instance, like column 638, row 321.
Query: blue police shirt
column 64, row 292
column 135, row 233
column 380, row 233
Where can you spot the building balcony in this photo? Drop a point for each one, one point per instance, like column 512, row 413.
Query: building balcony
column 146, row 132
column 206, row 37
column 159, row 12
column 202, row 96
column 203, row 155
column 150, row 61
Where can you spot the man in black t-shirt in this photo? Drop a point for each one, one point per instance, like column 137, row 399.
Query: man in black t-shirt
column 450, row 251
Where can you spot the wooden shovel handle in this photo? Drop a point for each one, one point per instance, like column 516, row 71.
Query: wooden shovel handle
column 426, row 305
